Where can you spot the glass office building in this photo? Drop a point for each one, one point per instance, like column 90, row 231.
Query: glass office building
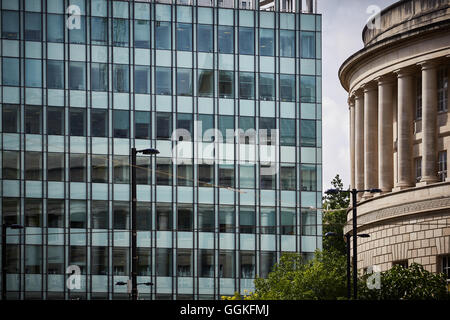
column 82, row 82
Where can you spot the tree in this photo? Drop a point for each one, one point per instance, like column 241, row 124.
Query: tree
column 322, row 278
column 335, row 220
column 399, row 283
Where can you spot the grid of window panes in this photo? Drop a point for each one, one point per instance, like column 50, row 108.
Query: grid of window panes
column 126, row 74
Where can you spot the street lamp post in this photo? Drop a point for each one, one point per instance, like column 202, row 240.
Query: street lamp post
column 134, row 256
column 4, row 228
column 354, row 193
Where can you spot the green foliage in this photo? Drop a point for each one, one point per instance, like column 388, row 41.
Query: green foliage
column 413, row 283
column 322, row 278
column 334, row 221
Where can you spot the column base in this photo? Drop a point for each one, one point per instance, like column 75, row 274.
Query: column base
column 402, row 187
column 367, row 195
column 425, row 181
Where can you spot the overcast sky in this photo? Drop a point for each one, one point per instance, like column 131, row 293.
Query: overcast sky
column 342, row 22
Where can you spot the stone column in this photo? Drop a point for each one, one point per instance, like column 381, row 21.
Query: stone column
column 385, row 134
column 359, row 141
column 370, row 138
column 351, row 107
column 429, row 123
column 405, row 79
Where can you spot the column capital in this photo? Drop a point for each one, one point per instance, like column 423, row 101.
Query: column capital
column 351, row 101
column 369, row 86
column 405, row 72
column 428, row 64
column 386, row 79
column 357, row 94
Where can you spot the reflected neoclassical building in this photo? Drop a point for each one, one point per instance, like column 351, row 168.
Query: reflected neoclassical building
column 127, row 74
column 400, row 135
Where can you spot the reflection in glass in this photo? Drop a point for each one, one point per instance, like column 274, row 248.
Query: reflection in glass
column 287, row 219
column 163, row 262
column 121, row 124
column 33, row 165
column 308, row 89
column 287, row 178
column 246, row 40
column 33, row 120
column 33, row 212
column 184, row 36
column 99, row 76
column 99, row 30
column 77, row 122
column 78, row 214
column 55, row 166
column 226, row 219
column 55, row 74
column 99, row 123
column 287, row 132
column 247, row 220
column 267, row 262
column 142, row 34
column 309, row 177
column 206, row 218
column 184, row 82
column 121, row 78
column 10, row 25
column 33, row 73
column 142, row 125
column 99, row 214
column 205, row 263
column 266, row 86
column 163, row 81
column 205, row 38
column 120, row 32
column 226, row 264
column 163, row 171
column 247, row 263
column 287, row 87
column 99, row 264
column 185, row 263
column 33, row 259
column 309, row 222
column 246, row 85
column 226, row 39
column 11, row 165
column 268, row 220
column 205, row 83
column 99, row 173
column 226, row 84
column 120, row 261
column 307, row 45
column 142, row 79
column 10, row 72
column 55, row 213
column 32, row 26
column 77, row 171
column 77, row 75
column 308, row 133
column 163, row 217
column 163, row 35
column 163, row 125
column 121, row 169
column 10, row 118
column 287, row 43
column 55, row 27
column 121, row 215
column 266, row 42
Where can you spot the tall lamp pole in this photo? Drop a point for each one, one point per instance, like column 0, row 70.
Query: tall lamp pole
column 354, row 193
column 4, row 228
column 134, row 256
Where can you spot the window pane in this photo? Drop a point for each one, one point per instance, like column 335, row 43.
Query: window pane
column 99, row 169
column 206, row 218
column 226, row 84
column 266, row 128
column 287, row 177
column 266, row 86
column 99, row 260
column 77, row 122
column 267, row 262
column 55, row 213
column 268, row 221
column 226, row 39
column 144, row 265
column 77, row 167
column 287, row 43
column 247, row 264
column 226, row 219
column 11, row 210
column 287, row 134
column 163, row 171
column 287, row 87
column 143, row 170
column 33, row 165
column 308, row 45
column 121, row 215
column 205, row 83
column 99, row 214
column 266, row 42
column 11, row 118
column 99, row 30
column 246, row 40
column 55, row 260
column 99, row 77
column 247, row 220
column 33, row 73
column 247, row 176
column 55, row 74
column 163, row 80
column 121, row 78
column 10, row 25
column 143, row 216
column 206, row 122
column 142, row 34
column 121, row 127
column 186, row 127
column 184, row 82
column 77, row 256
column 163, row 125
column 55, row 166
column 226, row 264
column 205, row 175
column 120, row 32
column 226, row 127
column 288, row 218
column 163, row 262
column 10, row 72
column 77, row 75
column 78, row 35
column 164, row 217
column 185, row 175
column 121, row 169
column 308, row 133
column 246, row 85
column 184, row 36
column 11, row 165
column 55, row 28
column 308, row 89
column 205, row 38
column 32, row 26
column 206, row 263
column 141, row 79
column 185, row 218
column 120, row 260
column 33, row 259
column 99, row 123
column 77, row 214
column 142, row 125
column 33, row 120
column 163, row 35
column 226, row 175
column 309, row 223
column 185, row 263
column 309, row 180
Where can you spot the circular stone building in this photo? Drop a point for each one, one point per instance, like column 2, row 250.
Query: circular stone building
column 400, row 136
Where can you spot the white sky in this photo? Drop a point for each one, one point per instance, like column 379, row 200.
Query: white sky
column 342, row 23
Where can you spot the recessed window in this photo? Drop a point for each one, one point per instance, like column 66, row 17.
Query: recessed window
column 401, row 263
column 442, row 89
